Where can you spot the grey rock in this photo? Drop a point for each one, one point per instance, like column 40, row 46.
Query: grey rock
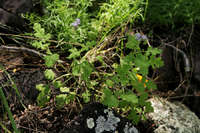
column 173, row 117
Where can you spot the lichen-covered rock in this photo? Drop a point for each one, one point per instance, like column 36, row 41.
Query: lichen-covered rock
column 97, row 118
column 173, row 117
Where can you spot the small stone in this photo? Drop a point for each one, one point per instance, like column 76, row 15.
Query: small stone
column 90, row 123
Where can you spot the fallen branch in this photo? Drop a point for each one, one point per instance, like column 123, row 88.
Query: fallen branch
column 39, row 39
column 23, row 49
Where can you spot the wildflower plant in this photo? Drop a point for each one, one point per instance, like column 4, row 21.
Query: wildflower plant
column 100, row 70
column 76, row 22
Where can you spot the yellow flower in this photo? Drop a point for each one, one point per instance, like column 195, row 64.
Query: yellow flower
column 140, row 79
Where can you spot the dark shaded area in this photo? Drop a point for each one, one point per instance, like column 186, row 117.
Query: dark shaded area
column 172, row 76
column 194, row 101
column 16, row 6
column 10, row 11
column 95, row 111
column 23, row 72
column 11, row 20
column 172, row 12
column 167, row 77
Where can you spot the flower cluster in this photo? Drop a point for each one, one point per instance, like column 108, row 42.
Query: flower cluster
column 140, row 37
column 76, row 22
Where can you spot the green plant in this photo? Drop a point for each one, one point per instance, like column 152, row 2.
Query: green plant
column 130, row 76
column 86, row 40
column 59, row 18
column 118, row 12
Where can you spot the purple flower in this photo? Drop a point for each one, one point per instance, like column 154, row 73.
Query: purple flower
column 144, row 37
column 138, row 36
column 76, row 22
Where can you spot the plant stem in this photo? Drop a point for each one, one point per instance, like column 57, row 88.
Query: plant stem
column 146, row 7
column 4, row 128
column 5, row 103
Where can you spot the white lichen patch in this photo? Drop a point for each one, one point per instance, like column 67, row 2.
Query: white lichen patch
column 90, row 123
column 130, row 129
column 109, row 124
column 173, row 117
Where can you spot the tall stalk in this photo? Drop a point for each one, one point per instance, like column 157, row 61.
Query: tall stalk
column 5, row 103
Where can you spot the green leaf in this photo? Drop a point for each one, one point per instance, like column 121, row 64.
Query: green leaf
column 151, row 85
column 100, row 58
column 86, row 96
column 129, row 97
column 92, row 83
column 109, row 99
column 109, row 83
column 37, row 44
column 128, row 59
column 118, row 93
column 50, row 60
column 116, row 79
column 70, row 98
column 123, row 72
column 133, row 43
column 142, row 99
column 43, row 37
column 123, row 104
column 134, row 116
column 156, row 62
column 74, row 53
column 153, row 51
column 115, row 65
column 60, row 100
column 148, row 107
column 139, row 86
column 76, row 68
column 43, row 96
column 40, row 32
column 40, row 45
column 84, row 69
column 142, row 62
column 64, row 89
column 40, row 87
column 49, row 74
column 90, row 44
column 57, row 84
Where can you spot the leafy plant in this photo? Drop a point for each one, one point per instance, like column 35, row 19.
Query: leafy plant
column 126, row 75
column 40, row 34
column 117, row 11
column 60, row 17
column 85, row 39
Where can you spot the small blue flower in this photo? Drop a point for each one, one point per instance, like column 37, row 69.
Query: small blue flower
column 76, row 22
column 138, row 36
column 144, row 37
